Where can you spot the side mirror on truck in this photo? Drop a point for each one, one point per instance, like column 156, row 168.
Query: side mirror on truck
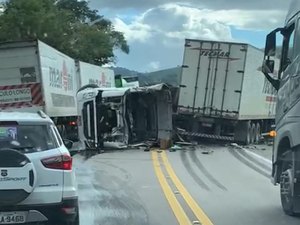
column 268, row 66
column 268, row 69
column 268, row 63
column 270, row 48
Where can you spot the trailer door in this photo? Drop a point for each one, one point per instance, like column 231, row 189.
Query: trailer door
column 212, row 77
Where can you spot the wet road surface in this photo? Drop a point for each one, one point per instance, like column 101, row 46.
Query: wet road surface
column 207, row 185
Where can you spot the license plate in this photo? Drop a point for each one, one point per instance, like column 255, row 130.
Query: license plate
column 12, row 217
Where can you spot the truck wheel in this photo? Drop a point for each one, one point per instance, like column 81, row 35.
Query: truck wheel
column 242, row 132
column 286, row 186
column 257, row 133
column 248, row 133
column 253, row 133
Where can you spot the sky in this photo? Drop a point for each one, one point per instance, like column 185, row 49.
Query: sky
column 156, row 29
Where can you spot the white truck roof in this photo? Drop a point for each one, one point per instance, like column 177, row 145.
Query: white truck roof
column 24, row 117
column 91, row 93
column 294, row 9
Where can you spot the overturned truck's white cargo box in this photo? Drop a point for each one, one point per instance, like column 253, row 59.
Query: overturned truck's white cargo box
column 35, row 76
column 92, row 74
column 224, row 80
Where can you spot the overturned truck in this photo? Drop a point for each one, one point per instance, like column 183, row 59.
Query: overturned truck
column 118, row 117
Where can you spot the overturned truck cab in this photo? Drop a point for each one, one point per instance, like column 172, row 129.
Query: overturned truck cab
column 117, row 117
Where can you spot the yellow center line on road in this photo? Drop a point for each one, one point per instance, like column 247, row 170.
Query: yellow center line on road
column 199, row 213
column 180, row 215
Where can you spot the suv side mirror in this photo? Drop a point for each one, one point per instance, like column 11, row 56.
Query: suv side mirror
column 68, row 143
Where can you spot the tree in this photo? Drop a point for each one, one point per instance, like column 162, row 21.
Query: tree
column 70, row 26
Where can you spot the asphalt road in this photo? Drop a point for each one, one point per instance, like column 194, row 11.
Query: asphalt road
column 207, row 185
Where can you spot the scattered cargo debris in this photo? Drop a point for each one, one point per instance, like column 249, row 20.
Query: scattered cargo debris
column 184, row 143
column 234, row 145
column 174, row 148
column 207, row 152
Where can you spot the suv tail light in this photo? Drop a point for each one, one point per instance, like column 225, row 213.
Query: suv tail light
column 63, row 162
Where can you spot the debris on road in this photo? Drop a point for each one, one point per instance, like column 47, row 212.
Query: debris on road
column 174, row 148
column 207, row 152
column 234, row 145
column 184, row 143
column 147, row 149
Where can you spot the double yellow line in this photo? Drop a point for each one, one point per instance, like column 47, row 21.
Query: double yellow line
column 179, row 212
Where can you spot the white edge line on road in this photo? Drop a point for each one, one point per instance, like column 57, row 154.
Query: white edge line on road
column 269, row 162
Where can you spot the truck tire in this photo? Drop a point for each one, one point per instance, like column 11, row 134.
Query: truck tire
column 248, row 133
column 252, row 133
column 242, row 132
column 257, row 133
column 286, row 185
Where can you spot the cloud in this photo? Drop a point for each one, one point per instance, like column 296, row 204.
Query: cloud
column 173, row 21
column 135, row 31
column 248, row 19
column 157, row 34
column 210, row 4
column 155, row 65
column 168, row 23
column 172, row 15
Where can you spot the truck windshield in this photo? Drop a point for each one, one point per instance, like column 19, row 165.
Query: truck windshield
column 116, row 100
column 27, row 138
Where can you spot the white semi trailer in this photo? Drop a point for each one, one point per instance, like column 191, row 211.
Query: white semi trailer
column 222, row 93
column 35, row 76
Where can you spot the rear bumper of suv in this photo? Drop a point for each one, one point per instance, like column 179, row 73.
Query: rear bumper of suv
column 61, row 213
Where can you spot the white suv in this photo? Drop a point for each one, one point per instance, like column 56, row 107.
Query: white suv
column 37, row 182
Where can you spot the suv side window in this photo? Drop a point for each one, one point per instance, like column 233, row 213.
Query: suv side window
column 60, row 142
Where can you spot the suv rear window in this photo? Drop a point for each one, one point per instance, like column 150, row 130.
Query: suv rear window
column 27, row 138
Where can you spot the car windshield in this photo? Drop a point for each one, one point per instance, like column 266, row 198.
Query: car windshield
column 27, row 138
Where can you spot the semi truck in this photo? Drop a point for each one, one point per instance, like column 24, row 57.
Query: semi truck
column 222, row 93
column 35, row 76
column 118, row 117
column 286, row 149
